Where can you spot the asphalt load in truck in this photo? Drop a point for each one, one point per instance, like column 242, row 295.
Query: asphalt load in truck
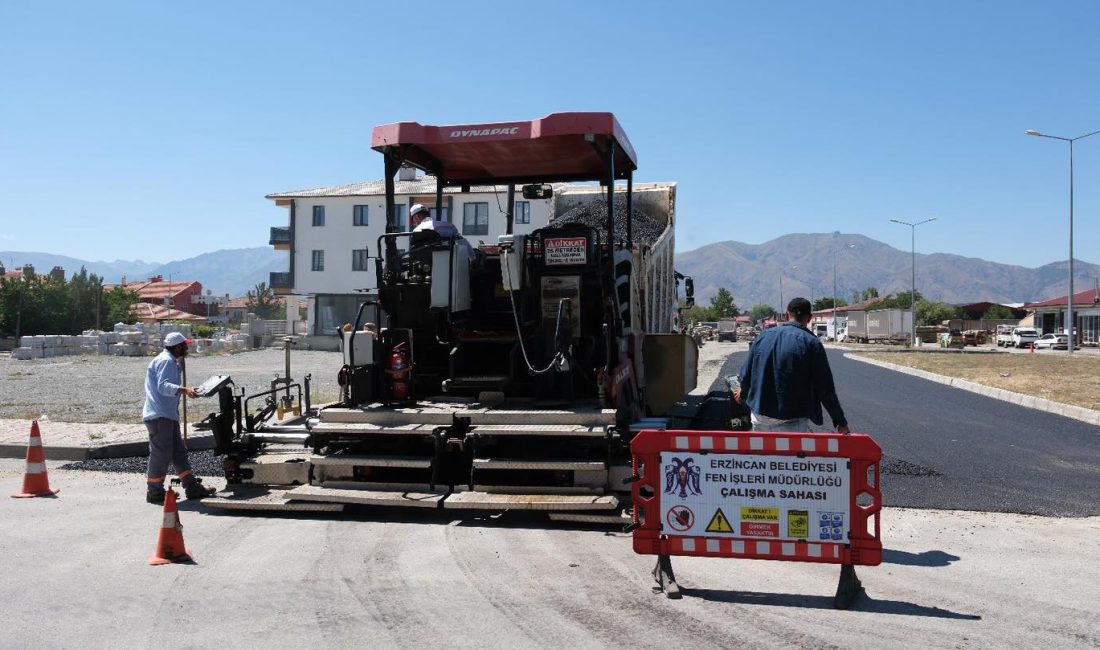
column 646, row 229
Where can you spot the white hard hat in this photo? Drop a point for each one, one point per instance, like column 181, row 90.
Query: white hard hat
column 174, row 338
column 417, row 209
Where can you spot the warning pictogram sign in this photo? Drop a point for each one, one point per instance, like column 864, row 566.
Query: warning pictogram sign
column 681, row 518
column 719, row 523
column 798, row 524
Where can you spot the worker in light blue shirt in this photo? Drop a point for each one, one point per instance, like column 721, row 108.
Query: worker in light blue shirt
column 163, row 387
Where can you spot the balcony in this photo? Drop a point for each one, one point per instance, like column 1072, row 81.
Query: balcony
column 280, row 282
column 280, row 238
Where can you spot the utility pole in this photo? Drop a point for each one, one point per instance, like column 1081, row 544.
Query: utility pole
column 1071, row 327
column 913, row 295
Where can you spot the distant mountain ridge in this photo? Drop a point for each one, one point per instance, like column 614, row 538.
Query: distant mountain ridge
column 805, row 261
column 232, row 271
column 750, row 271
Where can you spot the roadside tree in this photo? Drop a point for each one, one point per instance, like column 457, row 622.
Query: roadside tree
column 41, row 304
column 827, row 303
column 998, row 312
column 722, row 305
column 761, row 312
column 263, row 302
column 934, row 313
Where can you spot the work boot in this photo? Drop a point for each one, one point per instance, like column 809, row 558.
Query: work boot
column 196, row 490
column 155, row 497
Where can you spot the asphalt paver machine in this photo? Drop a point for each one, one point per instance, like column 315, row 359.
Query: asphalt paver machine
column 508, row 375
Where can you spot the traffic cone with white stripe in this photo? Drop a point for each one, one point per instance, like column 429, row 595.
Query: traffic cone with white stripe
column 35, row 482
column 170, row 548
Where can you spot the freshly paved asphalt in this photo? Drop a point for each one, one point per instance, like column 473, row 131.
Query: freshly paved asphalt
column 945, row 448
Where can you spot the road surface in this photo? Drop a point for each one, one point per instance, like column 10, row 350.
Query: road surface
column 951, row 449
column 75, row 575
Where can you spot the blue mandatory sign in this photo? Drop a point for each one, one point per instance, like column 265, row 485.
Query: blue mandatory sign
column 830, row 526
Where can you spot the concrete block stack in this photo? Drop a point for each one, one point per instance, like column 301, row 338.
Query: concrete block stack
column 48, row 347
column 123, row 340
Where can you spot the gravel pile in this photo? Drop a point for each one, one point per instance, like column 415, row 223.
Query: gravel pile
column 204, row 463
column 593, row 214
column 112, row 389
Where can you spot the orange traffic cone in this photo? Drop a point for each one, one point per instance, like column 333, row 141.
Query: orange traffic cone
column 170, row 543
column 35, row 482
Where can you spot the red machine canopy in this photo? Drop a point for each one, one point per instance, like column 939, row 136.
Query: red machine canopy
column 561, row 147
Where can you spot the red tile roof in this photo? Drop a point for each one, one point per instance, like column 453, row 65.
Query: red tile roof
column 1086, row 298
column 147, row 311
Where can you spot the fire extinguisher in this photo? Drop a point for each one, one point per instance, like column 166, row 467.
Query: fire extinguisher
column 399, row 372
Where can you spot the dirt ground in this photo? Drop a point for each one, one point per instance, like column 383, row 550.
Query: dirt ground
column 1060, row 378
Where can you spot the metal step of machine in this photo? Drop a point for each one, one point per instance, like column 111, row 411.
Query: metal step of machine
column 443, row 455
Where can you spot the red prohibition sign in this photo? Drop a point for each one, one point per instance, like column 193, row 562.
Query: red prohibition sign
column 680, row 518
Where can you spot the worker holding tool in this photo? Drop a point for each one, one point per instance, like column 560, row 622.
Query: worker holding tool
column 786, row 379
column 163, row 387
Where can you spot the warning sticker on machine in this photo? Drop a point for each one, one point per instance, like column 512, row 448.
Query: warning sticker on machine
column 562, row 251
column 771, row 497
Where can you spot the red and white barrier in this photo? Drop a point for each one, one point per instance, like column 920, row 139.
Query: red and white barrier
column 804, row 497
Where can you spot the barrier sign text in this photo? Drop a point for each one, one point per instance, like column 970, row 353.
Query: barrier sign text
column 772, row 497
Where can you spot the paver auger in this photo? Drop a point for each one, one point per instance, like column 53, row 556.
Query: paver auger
column 493, row 377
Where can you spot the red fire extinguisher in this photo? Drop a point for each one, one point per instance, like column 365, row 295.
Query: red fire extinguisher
column 399, row 372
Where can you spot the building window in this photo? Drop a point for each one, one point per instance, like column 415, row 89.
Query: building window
column 318, row 215
column 523, row 212
column 475, row 219
column 400, row 216
column 359, row 259
column 446, row 214
column 359, row 215
column 318, row 260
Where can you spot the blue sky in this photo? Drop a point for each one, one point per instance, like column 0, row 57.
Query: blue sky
column 153, row 130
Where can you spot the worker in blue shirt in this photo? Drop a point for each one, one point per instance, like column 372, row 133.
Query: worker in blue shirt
column 786, row 379
column 163, row 387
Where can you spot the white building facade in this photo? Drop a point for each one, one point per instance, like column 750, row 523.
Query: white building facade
column 333, row 234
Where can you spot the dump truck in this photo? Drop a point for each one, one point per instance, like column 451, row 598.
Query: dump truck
column 727, row 329
column 502, row 376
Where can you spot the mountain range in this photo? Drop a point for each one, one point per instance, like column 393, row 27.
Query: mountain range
column 752, row 272
column 232, row 271
column 805, row 262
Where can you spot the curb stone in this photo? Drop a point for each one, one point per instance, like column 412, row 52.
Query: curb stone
column 1082, row 414
column 114, row 450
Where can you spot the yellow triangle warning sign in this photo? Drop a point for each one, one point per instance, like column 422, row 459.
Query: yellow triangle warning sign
column 719, row 523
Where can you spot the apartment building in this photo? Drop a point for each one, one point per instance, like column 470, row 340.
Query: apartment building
column 332, row 237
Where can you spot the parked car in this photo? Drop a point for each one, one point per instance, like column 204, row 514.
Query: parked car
column 1024, row 336
column 1052, row 341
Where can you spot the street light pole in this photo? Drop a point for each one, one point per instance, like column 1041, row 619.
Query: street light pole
column 913, row 294
column 836, row 253
column 1071, row 329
